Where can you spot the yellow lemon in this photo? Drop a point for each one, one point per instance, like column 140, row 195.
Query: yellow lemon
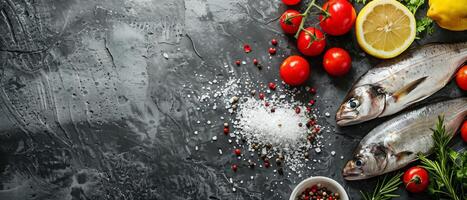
column 449, row 14
column 385, row 28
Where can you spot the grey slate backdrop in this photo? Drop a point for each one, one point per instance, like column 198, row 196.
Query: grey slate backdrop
column 91, row 109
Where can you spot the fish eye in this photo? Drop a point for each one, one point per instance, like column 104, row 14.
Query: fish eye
column 358, row 163
column 353, row 103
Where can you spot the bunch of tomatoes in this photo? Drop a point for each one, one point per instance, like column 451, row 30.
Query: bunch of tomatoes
column 337, row 18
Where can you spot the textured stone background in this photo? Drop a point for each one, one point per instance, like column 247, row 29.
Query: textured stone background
column 90, row 108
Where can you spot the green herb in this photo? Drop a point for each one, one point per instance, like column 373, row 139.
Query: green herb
column 423, row 24
column 360, row 1
column 412, row 5
column 384, row 189
column 449, row 168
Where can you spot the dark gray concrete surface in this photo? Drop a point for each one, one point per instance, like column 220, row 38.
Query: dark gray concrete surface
column 91, row 109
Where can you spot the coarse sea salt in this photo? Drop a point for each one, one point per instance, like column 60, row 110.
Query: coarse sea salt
column 253, row 126
column 281, row 127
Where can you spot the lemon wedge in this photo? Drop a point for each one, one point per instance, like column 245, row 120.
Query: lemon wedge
column 385, row 28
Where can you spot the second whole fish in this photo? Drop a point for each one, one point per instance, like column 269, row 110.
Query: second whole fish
column 396, row 84
column 397, row 142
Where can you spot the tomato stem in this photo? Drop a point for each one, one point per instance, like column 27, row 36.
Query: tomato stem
column 305, row 15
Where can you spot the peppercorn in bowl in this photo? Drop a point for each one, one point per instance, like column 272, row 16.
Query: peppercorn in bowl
column 319, row 188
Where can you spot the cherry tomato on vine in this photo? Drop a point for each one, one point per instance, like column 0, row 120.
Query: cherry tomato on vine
column 290, row 21
column 311, row 41
column 337, row 61
column 294, row 70
column 340, row 19
column 416, row 179
column 464, row 131
column 461, row 77
column 291, row 2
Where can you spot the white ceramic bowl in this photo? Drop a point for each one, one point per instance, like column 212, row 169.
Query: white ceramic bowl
column 331, row 184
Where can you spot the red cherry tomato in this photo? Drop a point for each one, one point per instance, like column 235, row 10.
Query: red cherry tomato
column 311, row 42
column 341, row 17
column 290, row 21
column 291, row 2
column 337, row 61
column 464, row 131
column 416, row 179
column 294, row 70
column 461, row 77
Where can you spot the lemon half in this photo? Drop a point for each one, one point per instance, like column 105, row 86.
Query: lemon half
column 385, row 28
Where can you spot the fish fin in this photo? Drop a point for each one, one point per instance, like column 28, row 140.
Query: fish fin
column 408, row 88
column 416, row 100
column 401, row 155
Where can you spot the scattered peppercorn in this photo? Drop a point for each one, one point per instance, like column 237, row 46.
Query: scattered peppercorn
column 255, row 61
column 267, row 164
column 272, row 51
column 234, row 167
column 253, row 92
column 226, row 130
column 312, row 90
column 272, row 86
column 247, row 48
column 297, row 110
column 274, row 42
column 312, row 102
column 261, row 96
column 238, row 152
column 238, row 62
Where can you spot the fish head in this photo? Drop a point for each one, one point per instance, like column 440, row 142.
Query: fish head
column 361, row 104
column 367, row 163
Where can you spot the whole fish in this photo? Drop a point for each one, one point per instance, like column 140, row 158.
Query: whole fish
column 396, row 84
column 395, row 143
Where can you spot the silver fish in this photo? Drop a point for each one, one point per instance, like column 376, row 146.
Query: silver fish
column 397, row 142
column 396, row 84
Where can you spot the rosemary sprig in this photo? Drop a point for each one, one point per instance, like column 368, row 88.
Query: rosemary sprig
column 384, row 189
column 441, row 169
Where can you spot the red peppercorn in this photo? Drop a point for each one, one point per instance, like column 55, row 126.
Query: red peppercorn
column 266, row 104
column 312, row 102
column 247, row 48
column 272, row 86
column 238, row 62
column 312, row 122
column 297, row 110
column 272, row 51
column 255, row 61
column 314, row 188
column 330, row 198
column 317, row 129
column 307, row 197
column 261, row 95
column 267, row 164
column 226, row 130
column 234, row 167
column 308, row 109
column 238, row 152
column 312, row 90
column 274, row 42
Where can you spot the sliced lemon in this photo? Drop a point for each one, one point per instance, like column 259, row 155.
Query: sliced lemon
column 385, row 28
